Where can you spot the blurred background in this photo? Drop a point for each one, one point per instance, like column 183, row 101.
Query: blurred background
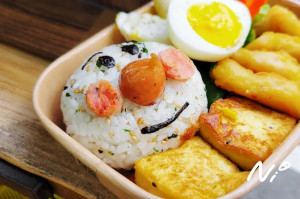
column 49, row 28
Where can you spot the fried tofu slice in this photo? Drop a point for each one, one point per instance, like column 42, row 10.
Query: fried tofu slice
column 279, row 19
column 243, row 130
column 270, row 89
column 279, row 62
column 194, row 170
column 271, row 41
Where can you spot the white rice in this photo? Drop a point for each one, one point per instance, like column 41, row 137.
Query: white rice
column 143, row 27
column 117, row 139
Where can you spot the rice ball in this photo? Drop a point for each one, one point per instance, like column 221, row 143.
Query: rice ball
column 118, row 139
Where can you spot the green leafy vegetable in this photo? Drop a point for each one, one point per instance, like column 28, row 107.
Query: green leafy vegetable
column 213, row 92
column 262, row 13
column 251, row 37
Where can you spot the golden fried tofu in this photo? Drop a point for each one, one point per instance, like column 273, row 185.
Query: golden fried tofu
column 244, row 131
column 270, row 89
column 277, row 41
column 194, row 170
column 269, row 61
column 279, row 19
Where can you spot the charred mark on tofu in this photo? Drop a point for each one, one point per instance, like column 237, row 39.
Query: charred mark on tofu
column 89, row 59
column 156, row 127
column 106, row 61
column 131, row 49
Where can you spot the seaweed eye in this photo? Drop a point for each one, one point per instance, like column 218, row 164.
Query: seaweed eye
column 106, row 61
column 131, row 49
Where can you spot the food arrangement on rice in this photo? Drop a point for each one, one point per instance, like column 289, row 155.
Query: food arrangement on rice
column 122, row 107
column 143, row 104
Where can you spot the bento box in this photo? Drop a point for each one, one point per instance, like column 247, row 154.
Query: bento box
column 46, row 99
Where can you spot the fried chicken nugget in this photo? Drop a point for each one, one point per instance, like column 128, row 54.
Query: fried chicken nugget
column 268, row 61
column 279, row 19
column 270, row 89
column 277, row 41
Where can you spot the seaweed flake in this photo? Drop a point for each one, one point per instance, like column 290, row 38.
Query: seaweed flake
column 130, row 41
column 106, row 61
column 135, row 42
column 228, row 142
column 89, row 59
column 65, row 87
column 68, row 95
column 173, row 136
column 156, row 127
column 153, row 184
column 145, row 50
column 131, row 49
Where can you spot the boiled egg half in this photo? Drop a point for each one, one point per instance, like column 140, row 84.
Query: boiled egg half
column 208, row 30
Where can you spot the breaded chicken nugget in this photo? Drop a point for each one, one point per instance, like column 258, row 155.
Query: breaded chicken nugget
column 279, row 19
column 277, row 41
column 268, row 61
column 270, row 89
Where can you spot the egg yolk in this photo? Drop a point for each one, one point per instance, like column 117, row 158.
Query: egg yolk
column 216, row 23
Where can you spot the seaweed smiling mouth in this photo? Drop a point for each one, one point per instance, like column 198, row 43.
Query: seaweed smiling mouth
column 156, row 127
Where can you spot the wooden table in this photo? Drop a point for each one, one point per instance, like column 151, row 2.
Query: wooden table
column 40, row 32
column 24, row 142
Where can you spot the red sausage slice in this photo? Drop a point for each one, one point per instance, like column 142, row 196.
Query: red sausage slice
column 177, row 65
column 103, row 98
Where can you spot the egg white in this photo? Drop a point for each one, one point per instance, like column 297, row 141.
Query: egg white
column 186, row 39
